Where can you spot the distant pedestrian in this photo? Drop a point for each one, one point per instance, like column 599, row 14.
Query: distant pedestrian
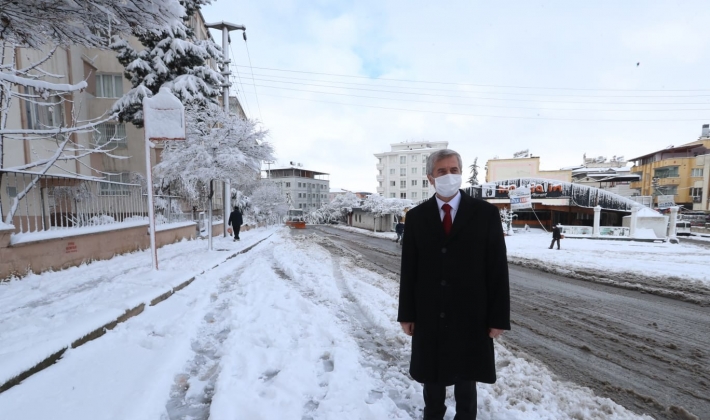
column 399, row 229
column 235, row 221
column 556, row 236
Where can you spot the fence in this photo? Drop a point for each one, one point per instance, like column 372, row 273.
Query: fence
column 588, row 231
column 37, row 203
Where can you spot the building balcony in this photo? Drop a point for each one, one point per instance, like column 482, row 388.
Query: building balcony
column 380, row 177
column 380, row 166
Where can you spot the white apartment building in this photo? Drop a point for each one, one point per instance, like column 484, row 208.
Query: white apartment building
column 401, row 172
column 303, row 188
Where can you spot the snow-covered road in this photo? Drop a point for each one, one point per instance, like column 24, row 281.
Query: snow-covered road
column 292, row 329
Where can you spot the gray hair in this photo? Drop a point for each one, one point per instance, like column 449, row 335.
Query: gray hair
column 437, row 156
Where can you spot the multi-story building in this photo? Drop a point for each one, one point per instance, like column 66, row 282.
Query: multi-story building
column 303, row 188
column 681, row 171
column 105, row 85
column 613, row 175
column 401, row 172
column 522, row 167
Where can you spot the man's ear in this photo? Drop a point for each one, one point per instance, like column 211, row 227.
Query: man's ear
column 431, row 179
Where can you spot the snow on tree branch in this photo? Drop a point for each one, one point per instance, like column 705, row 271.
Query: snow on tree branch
column 33, row 23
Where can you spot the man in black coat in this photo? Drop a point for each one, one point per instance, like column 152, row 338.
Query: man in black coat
column 399, row 230
column 556, row 236
column 454, row 297
column 235, row 221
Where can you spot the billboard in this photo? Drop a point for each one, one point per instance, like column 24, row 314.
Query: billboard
column 520, row 199
column 665, row 201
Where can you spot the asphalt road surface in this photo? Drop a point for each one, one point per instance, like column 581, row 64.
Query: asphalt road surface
column 649, row 353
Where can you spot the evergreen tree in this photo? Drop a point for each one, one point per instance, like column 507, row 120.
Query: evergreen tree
column 171, row 57
column 473, row 179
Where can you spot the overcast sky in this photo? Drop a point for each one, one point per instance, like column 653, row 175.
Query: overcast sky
column 511, row 75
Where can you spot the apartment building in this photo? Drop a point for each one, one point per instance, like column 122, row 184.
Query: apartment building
column 522, row 167
column 681, row 171
column 303, row 188
column 401, row 172
column 613, row 175
column 105, row 85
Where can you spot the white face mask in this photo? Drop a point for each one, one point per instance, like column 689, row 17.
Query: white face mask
column 447, row 185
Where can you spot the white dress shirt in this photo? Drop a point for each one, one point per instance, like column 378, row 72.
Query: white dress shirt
column 454, row 203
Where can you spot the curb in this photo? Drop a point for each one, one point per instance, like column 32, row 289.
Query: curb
column 97, row 333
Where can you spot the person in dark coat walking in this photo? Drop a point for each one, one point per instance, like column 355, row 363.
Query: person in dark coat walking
column 556, row 236
column 454, row 295
column 399, row 230
column 235, row 221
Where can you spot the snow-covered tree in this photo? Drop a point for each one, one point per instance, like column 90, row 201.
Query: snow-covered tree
column 268, row 203
column 52, row 134
column 506, row 219
column 337, row 209
column 218, row 146
column 34, row 23
column 473, row 179
column 172, row 57
column 380, row 206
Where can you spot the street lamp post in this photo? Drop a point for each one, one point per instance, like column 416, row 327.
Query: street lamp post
column 225, row 27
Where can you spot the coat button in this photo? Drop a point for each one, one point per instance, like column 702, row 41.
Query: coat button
column 442, row 315
column 443, row 250
column 443, row 282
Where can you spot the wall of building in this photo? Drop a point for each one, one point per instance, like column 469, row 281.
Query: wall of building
column 366, row 220
column 502, row 169
column 410, row 157
column 683, row 182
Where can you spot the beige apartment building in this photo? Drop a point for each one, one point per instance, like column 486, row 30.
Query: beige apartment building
column 681, row 171
column 523, row 167
column 105, row 85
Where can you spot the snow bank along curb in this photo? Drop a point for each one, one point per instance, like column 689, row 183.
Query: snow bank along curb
column 682, row 290
column 130, row 313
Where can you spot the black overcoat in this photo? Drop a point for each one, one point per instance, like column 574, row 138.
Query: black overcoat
column 454, row 288
column 235, row 218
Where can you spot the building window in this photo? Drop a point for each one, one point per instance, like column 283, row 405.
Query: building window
column 393, row 183
column 392, row 195
column 402, row 159
column 380, row 184
column 11, row 191
column 414, row 195
column 111, row 133
column 288, row 185
column 119, row 188
column 403, row 195
column 403, row 184
column 43, row 113
column 379, row 160
column 668, row 172
column 392, row 171
column 300, row 205
column 414, row 171
column 425, row 183
column 414, row 158
column 414, row 183
column 402, row 171
column 423, row 170
column 109, row 86
column 696, row 172
column 393, row 159
column 696, row 192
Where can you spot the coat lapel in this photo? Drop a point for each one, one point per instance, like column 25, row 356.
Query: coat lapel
column 433, row 219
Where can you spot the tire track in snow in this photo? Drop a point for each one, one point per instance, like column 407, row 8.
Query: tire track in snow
column 384, row 358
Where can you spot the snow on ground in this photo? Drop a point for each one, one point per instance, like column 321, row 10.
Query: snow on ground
column 292, row 329
column 383, row 235
column 42, row 313
column 663, row 261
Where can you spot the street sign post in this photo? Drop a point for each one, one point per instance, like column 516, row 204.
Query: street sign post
column 163, row 120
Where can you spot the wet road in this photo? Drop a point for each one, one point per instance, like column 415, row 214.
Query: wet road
column 648, row 353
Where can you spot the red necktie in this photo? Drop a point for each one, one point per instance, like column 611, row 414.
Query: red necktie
column 447, row 218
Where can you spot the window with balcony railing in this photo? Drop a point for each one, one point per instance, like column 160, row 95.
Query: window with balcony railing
column 112, row 134
column 668, row 172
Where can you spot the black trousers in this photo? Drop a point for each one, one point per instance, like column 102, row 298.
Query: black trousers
column 464, row 393
column 236, row 229
column 553, row 242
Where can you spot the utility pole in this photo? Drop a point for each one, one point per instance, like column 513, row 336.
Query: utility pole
column 225, row 27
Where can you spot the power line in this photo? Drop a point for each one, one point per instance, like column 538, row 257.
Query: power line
column 481, row 85
column 493, row 116
column 252, row 79
column 239, row 77
column 467, row 97
column 460, row 91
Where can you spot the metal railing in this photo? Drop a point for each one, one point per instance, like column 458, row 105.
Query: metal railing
column 40, row 203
